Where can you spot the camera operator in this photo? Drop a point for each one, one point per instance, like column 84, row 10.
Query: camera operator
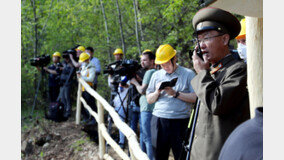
column 66, row 79
column 119, row 94
column 133, row 105
column 96, row 62
column 79, row 50
column 172, row 104
column 118, row 55
column 147, row 63
column 87, row 73
column 53, row 76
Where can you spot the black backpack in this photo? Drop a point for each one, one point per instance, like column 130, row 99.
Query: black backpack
column 55, row 112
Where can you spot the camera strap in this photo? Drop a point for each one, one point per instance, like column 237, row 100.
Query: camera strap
column 65, row 84
column 121, row 103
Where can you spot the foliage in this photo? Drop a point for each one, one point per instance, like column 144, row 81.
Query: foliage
column 63, row 24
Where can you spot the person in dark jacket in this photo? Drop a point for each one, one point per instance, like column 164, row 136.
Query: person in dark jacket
column 246, row 141
column 220, row 83
column 66, row 77
column 53, row 71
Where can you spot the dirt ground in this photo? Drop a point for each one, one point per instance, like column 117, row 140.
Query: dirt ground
column 49, row 140
column 65, row 140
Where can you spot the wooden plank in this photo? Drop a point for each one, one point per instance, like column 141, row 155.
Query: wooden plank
column 123, row 127
column 112, row 143
column 108, row 157
column 93, row 113
column 102, row 142
column 78, row 107
column 135, row 147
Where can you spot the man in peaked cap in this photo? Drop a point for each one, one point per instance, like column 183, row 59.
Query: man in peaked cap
column 220, row 83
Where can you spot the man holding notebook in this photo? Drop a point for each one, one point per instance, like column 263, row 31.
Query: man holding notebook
column 172, row 104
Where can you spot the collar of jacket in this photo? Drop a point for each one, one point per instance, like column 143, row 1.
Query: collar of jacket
column 217, row 66
column 90, row 65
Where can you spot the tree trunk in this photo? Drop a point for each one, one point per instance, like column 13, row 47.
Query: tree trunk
column 139, row 21
column 41, row 33
column 35, row 27
column 121, row 30
column 136, row 28
column 105, row 18
column 35, row 34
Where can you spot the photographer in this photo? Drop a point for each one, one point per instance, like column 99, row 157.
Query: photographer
column 79, row 50
column 173, row 104
column 87, row 73
column 118, row 55
column 53, row 76
column 147, row 63
column 119, row 93
column 66, row 78
column 134, row 107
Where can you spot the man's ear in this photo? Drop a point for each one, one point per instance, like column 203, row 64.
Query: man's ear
column 226, row 39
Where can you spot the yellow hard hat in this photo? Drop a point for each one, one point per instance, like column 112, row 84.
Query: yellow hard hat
column 118, row 51
column 83, row 57
column 81, row 48
column 164, row 54
column 146, row 50
column 243, row 30
column 56, row 54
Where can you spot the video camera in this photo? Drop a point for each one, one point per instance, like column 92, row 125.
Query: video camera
column 65, row 54
column 40, row 61
column 127, row 67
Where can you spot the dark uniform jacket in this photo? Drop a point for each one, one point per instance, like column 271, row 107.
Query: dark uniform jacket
column 53, row 79
column 224, row 105
column 246, row 141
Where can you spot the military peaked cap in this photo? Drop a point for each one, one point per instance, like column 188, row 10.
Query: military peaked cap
column 211, row 18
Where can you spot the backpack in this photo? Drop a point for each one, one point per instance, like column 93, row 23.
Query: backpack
column 55, row 112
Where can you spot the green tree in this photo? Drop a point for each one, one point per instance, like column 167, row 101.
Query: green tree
column 48, row 26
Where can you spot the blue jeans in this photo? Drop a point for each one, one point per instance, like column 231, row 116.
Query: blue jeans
column 121, row 114
column 134, row 115
column 134, row 119
column 146, row 133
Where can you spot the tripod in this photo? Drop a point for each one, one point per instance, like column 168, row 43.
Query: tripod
column 36, row 93
column 188, row 139
column 121, row 107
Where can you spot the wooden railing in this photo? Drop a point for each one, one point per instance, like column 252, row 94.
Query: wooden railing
column 135, row 151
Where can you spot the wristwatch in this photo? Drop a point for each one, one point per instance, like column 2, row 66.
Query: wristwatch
column 177, row 94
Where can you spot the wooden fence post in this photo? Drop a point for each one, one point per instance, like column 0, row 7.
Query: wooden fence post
column 101, row 138
column 254, row 41
column 78, row 109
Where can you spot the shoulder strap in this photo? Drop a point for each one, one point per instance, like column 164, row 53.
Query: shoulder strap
column 69, row 76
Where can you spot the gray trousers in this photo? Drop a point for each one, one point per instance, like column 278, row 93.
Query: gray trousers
column 65, row 99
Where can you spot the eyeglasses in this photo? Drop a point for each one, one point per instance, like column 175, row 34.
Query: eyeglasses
column 206, row 39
